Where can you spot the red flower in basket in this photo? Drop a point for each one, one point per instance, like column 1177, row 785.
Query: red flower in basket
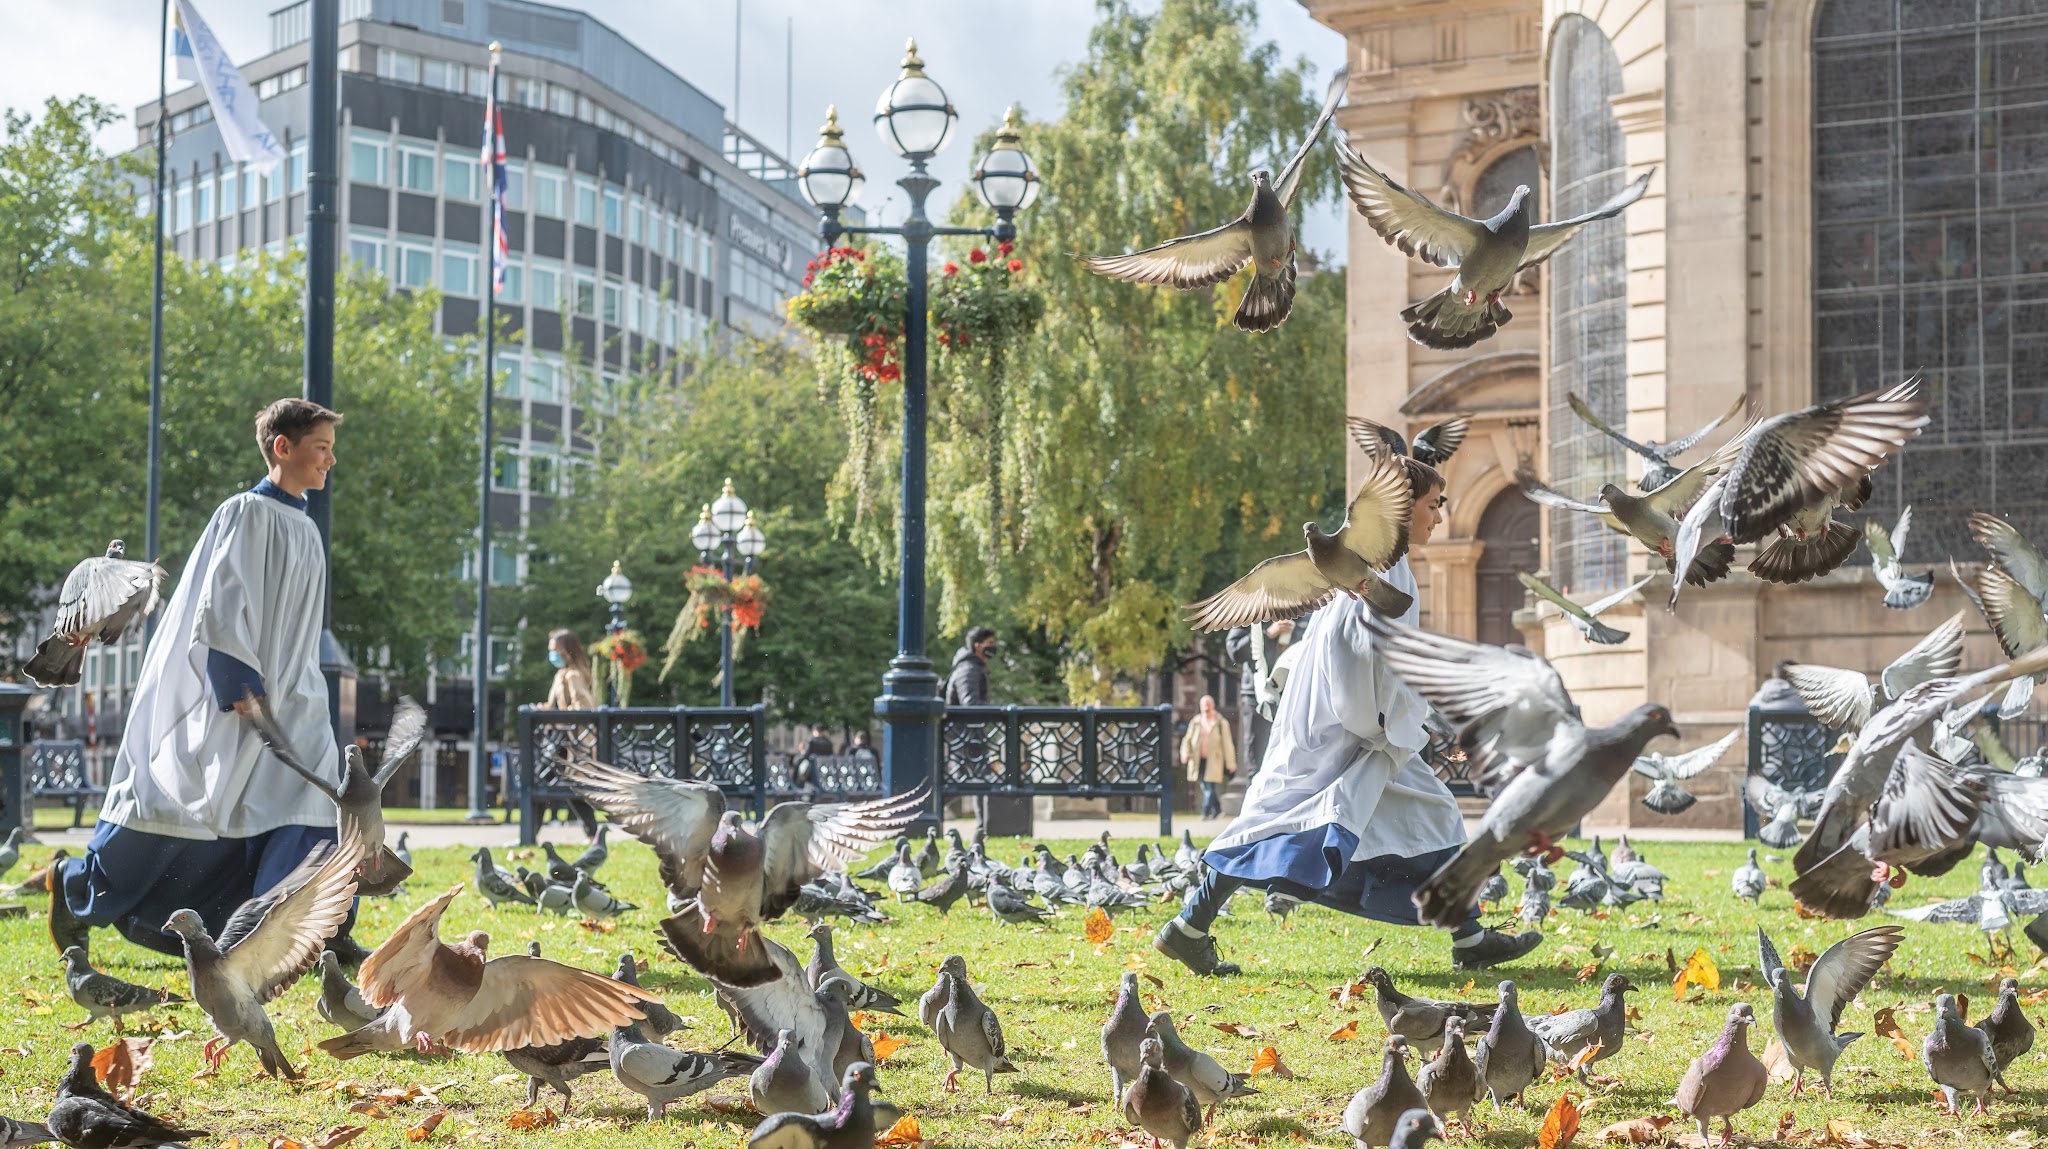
column 1016, row 265
column 977, row 256
column 1006, row 247
column 747, row 614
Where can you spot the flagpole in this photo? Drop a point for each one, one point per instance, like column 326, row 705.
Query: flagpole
column 156, row 304
column 479, row 764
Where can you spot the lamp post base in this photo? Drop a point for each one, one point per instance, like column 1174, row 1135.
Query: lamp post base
column 910, row 708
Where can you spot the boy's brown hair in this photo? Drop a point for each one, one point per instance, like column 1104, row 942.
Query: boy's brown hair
column 1421, row 477
column 291, row 418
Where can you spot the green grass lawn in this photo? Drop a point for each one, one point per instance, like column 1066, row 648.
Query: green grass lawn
column 1052, row 990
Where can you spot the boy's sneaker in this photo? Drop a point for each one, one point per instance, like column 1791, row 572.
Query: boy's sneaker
column 1198, row 953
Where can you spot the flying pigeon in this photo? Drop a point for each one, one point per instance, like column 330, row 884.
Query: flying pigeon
column 359, row 801
column 1902, row 591
column 1725, row 1080
column 101, row 598
column 497, row 886
column 676, row 817
column 1791, row 474
column 1509, row 1055
column 1657, row 457
column 1420, row 1019
column 2009, row 1031
column 1845, row 699
column 1262, row 237
column 1958, row 1057
column 824, row 965
column 1434, row 446
column 821, row 1030
column 1750, row 881
column 453, row 995
column 1991, row 909
column 271, row 940
column 1806, row 1017
column 1374, row 1112
column 1373, row 538
column 1545, row 768
column 1651, row 519
column 1567, row 1035
column 1211, row 1084
column 851, row 1123
column 1487, row 253
column 1666, row 771
column 2012, row 593
column 88, row 1117
column 1586, row 618
column 339, row 1001
column 966, row 1027
column 1155, row 1102
column 1778, row 810
column 750, row 879
column 102, row 995
column 663, row 1075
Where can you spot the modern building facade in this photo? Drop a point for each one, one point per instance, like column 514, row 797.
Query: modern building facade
column 639, row 220
column 1847, row 192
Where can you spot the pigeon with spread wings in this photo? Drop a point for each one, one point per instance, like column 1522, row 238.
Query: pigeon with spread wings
column 752, row 878
column 1806, row 1016
column 1666, row 771
column 451, row 994
column 2012, row 592
column 1487, row 253
column 359, row 801
column 101, row 597
column 675, row 816
column 1262, row 237
column 1902, row 591
column 1789, row 475
column 1586, row 618
column 1374, row 537
column 1434, row 446
column 1657, row 468
column 1845, row 699
column 1651, row 519
column 1546, row 770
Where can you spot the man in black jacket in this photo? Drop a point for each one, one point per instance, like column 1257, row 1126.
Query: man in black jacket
column 967, row 685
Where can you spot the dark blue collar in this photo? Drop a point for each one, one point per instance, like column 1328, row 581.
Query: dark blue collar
column 266, row 487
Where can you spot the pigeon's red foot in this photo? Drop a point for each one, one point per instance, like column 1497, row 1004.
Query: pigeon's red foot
column 707, row 921
column 951, row 1082
column 1471, row 297
column 1798, row 1079
column 1880, row 872
column 424, row 1042
column 1980, row 1105
column 78, row 1026
column 1898, row 881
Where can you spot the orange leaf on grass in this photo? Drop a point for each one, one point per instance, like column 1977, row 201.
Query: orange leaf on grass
column 904, row 1132
column 1699, row 970
column 859, row 1018
column 120, row 1065
column 1236, row 1028
column 1885, row 1025
column 1346, row 1032
column 283, row 1142
column 340, row 1135
column 427, row 1125
column 1641, row 1131
column 526, row 1120
column 1096, row 927
column 1267, row 1060
column 885, row 1045
column 1559, row 1125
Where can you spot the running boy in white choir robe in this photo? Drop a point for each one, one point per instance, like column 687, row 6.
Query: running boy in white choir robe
column 1343, row 811
column 198, row 814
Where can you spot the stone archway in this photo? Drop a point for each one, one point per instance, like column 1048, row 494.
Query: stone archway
column 1508, row 531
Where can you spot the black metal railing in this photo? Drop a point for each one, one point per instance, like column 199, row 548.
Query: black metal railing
column 1790, row 748
column 56, row 769
column 726, row 746
column 1460, row 774
column 1059, row 751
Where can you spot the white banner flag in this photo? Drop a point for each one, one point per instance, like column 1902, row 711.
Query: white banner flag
column 200, row 57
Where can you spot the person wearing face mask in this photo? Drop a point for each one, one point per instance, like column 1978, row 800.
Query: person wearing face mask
column 572, row 690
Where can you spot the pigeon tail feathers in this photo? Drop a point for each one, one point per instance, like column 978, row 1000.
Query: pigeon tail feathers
column 1446, row 323
column 1791, row 560
column 1268, row 300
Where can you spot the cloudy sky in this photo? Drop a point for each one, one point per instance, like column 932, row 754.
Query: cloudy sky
column 986, row 53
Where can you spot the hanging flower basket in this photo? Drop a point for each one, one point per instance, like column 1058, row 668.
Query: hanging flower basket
column 613, row 659
column 744, row 596
column 854, row 300
column 981, row 315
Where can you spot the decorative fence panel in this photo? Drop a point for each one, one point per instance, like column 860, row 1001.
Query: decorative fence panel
column 1059, row 751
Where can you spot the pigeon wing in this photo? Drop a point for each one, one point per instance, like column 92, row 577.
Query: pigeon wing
column 1585, row 412
column 274, row 939
column 1440, row 441
column 407, row 731
column 1825, row 451
column 1508, row 689
column 100, row 588
column 675, row 816
column 1372, row 438
column 1879, row 540
column 1843, row 969
column 2012, row 552
column 1923, row 810
column 1681, row 446
column 1550, row 594
column 1938, row 655
column 801, row 841
column 1677, row 496
column 2014, row 613
column 1900, row 530
column 1768, row 961
column 1943, row 913
column 408, row 959
column 2015, row 814
column 1289, row 184
column 526, row 1001
column 1546, row 238
column 1191, row 261
column 1405, row 219
column 1549, row 496
column 264, row 721
column 1691, row 762
column 1840, row 698
column 1286, row 586
column 1376, row 524
column 1600, row 605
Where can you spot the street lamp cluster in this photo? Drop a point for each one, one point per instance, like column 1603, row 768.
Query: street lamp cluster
column 916, row 120
column 726, row 525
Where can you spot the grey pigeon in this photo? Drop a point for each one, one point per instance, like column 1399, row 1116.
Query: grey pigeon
column 557, row 899
column 1186, row 856
column 403, row 851
column 784, row 1083
column 1726, row 1079
column 658, row 1020
column 1623, row 852
column 928, row 857
column 1958, row 1057
column 101, row 597
column 2009, row 1031
column 15, row 1134
column 535, row 884
column 1373, row 538
column 1565, row 1035
column 1009, row 906
column 593, row 902
column 1594, row 852
column 1279, row 905
column 271, row 940
column 662, row 1075
column 559, row 1064
column 1549, row 769
column 1212, row 1084
column 1992, row 874
column 1434, row 445
column 849, row 1125
column 1509, row 1056
column 1495, row 890
column 1845, row 699
column 10, row 850
column 1792, row 473
column 1262, row 238
column 101, row 995
column 674, row 816
column 1586, row 619
column 905, row 878
column 2012, row 593
column 1414, row 1129
column 967, row 1028
column 1122, row 1033
column 1158, row 1104
column 1666, row 771
column 1488, row 254
column 1902, row 591
column 1450, row 1081
column 88, row 1117
column 821, row 1031
column 948, row 889
column 1651, row 519
column 879, row 872
column 1778, row 811
column 1419, row 1019
column 359, row 800
column 824, row 965
column 1376, row 1110
column 596, row 855
column 559, row 871
column 339, row 1001
column 1750, row 881
column 1657, row 457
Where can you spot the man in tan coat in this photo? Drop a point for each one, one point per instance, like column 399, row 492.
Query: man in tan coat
column 1210, row 755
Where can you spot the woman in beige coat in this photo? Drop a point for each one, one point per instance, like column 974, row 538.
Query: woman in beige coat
column 572, row 690
column 1210, row 755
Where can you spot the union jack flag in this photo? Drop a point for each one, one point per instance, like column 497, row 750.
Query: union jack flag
column 494, row 175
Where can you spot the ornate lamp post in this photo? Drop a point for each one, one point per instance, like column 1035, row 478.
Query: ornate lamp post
column 727, row 526
column 915, row 119
column 617, row 590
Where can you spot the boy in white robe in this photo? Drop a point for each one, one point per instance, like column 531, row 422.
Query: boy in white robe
column 1343, row 811
column 198, row 814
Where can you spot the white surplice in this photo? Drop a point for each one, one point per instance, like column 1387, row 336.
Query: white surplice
column 253, row 588
column 1344, row 748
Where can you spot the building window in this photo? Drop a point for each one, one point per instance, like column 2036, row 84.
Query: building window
column 367, row 249
column 447, row 76
column 515, row 185
column 251, row 191
column 403, row 67
column 454, row 12
column 546, row 288
column 547, row 191
column 505, row 468
column 636, row 227
column 183, row 212
column 227, row 193
column 562, row 101
column 544, row 377
column 585, row 295
column 543, row 471
column 415, row 266
column 508, row 381
column 459, row 270
column 528, row 93
column 514, row 290
column 614, row 211
column 202, row 201
column 459, row 176
column 586, row 202
column 295, row 166
column 368, row 158
column 504, row 572
column 613, row 295
column 1930, row 208
column 416, row 170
